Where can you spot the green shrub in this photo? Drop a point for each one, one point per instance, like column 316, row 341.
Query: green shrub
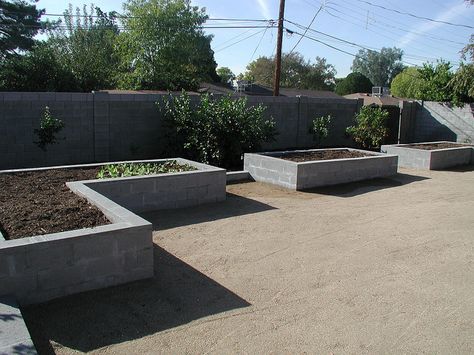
column 370, row 127
column 215, row 131
column 320, row 128
column 137, row 169
column 49, row 127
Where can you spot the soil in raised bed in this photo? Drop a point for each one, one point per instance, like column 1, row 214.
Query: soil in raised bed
column 299, row 157
column 39, row 202
column 437, row 146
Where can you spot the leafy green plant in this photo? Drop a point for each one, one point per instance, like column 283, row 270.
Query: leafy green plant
column 138, row 169
column 215, row 131
column 370, row 127
column 49, row 127
column 320, row 128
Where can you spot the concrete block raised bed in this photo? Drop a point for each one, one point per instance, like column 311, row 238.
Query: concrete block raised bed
column 436, row 159
column 268, row 167
column 40, row 268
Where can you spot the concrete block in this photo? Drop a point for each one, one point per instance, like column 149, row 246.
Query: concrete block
column 306, row 175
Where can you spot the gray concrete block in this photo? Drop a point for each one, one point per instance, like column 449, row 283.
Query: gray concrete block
column 304, row 175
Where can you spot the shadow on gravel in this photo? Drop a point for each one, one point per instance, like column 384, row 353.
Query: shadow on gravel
column 366, row 186
column 177, row 295
column 460, row 169
column 234, row 205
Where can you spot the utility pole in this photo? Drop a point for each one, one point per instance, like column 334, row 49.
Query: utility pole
column 276, row 83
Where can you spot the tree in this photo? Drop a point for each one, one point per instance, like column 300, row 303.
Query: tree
column 370, row 127
column 407, row 83
column 164, row 46
column 37, row 70
column 225, row 74
column 86, row 47
column 296, row 72
column 215, row 131
column 434, row 80
column 462, row 84
column 19, row 23
column 380, row 67
column 354, row 82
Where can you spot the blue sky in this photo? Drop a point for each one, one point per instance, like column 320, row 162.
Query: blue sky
column 354, row 21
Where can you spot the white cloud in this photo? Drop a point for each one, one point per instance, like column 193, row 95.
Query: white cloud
column 264, row 9
column 448, row 15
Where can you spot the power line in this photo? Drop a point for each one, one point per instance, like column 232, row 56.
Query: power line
column 258, row 45
column 415, row 16
column 387, row 24
column 307, row 28
column 380, row 34
column 243, row 39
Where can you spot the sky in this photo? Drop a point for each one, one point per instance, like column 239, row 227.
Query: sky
column 338, row 22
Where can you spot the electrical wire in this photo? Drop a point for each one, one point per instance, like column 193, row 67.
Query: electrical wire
column 415, row 16
column 307, row 28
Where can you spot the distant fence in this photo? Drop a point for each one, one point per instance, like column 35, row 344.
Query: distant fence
column 109, row 127
column 103, row 127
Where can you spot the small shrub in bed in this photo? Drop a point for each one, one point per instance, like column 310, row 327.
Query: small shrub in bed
column 320, row 128
column 370, row 127
column 215, row 131
column 137, row 169
column 49, row 127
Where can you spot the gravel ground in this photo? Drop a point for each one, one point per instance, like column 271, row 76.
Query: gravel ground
column 385, row 266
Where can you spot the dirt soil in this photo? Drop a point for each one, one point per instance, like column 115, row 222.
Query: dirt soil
column 437, row 146
column 299, row 157
column 39, row 202
column 378, row 267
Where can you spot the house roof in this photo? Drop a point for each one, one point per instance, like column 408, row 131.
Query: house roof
column 251, row 90
column 375, row 100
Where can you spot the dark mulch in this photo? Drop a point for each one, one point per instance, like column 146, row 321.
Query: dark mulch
column 299, row 157
column 437, row 146
column 39, row 202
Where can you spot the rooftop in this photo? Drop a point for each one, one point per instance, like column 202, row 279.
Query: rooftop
column 382, row 266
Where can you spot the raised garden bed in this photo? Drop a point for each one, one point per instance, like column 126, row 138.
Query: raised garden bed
column 305, row 169
column 431, row 155
column 42, row 267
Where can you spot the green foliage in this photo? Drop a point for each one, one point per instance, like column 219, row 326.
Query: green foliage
column 320, row 128
column 164, row 47
column 138, row 169
column 434, row 82
column 380, row 67
column 86, row 47
column 407, row 84
column 38, row 70
column 19, row 23
column 225, row 74
column 296, row 72
column 215, row 131
column 370, row 127
column 354, row 82
column 49, row 127
column 462, row 84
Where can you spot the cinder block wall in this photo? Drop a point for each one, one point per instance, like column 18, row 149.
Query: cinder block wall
column 435, row 121
column 38, row 269
column 103, row 127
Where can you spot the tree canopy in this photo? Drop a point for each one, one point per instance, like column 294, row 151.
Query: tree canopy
column 164, row 46
column 354, row 82
column 436, row 83
column 296, row 72
column 407, row 83
column 380, row 67
column 225, row 74
column 86, row 47
column 19, row 23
